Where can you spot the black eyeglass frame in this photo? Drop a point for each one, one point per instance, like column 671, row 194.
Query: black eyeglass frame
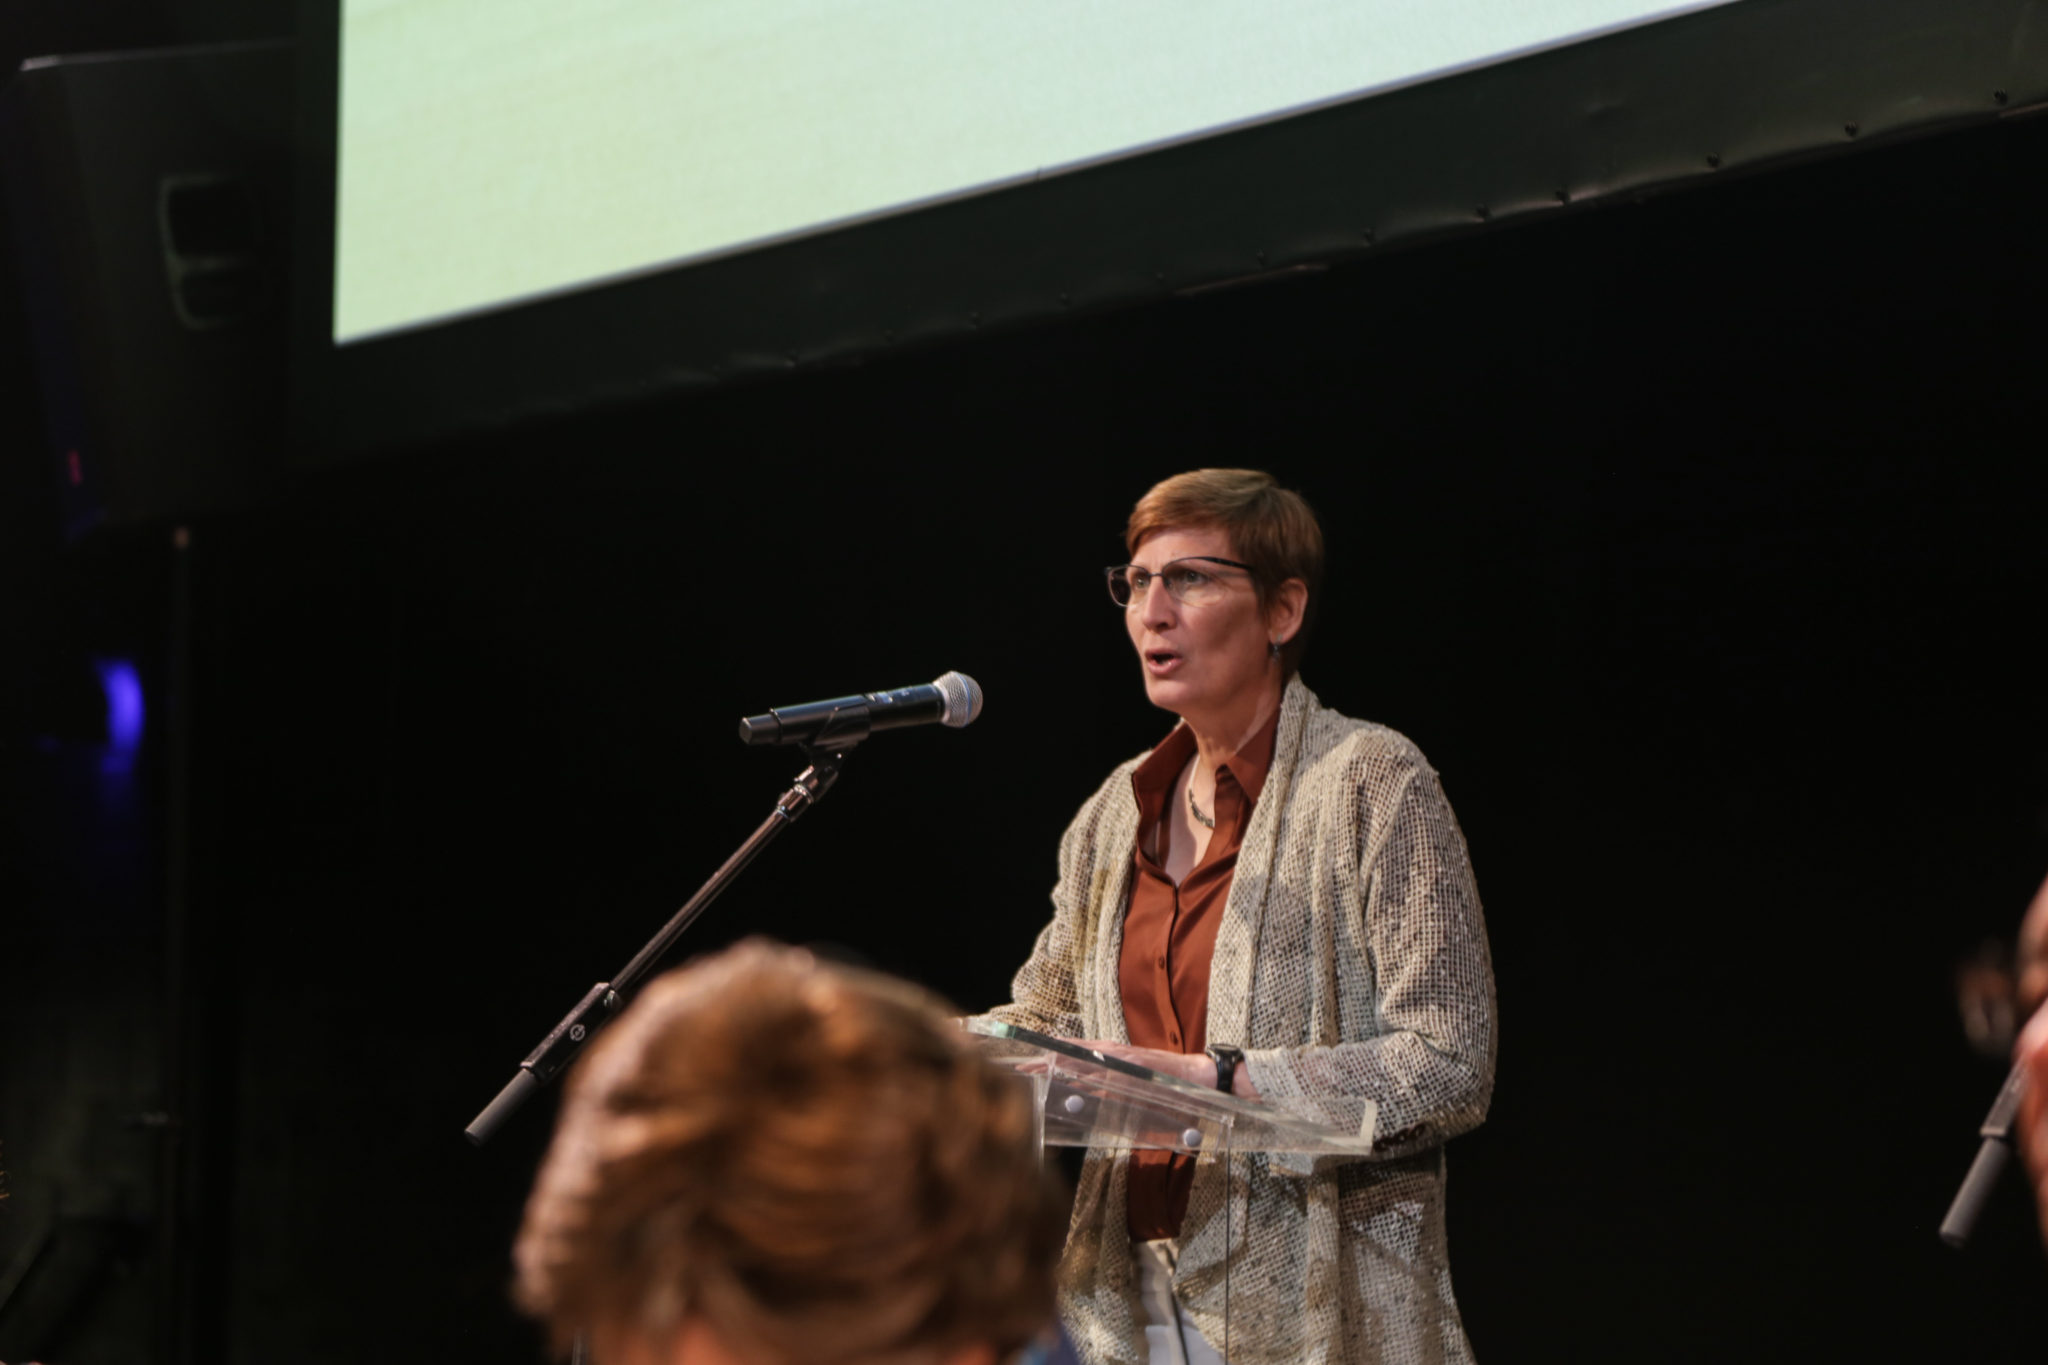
column 1124, row 603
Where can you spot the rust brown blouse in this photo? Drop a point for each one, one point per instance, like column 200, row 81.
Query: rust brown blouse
column 1169, row 937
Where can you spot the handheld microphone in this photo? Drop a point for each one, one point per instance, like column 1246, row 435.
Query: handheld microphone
column 1992, row 1154
column 954, row 699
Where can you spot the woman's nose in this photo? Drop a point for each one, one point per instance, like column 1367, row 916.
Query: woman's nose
column 1156, row 609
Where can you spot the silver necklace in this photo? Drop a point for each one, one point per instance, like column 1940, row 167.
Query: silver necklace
column 1205, row 821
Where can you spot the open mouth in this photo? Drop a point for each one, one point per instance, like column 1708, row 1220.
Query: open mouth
column 1160, row 660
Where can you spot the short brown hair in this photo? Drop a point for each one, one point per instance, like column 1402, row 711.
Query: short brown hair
column 812, row 1159
column 1271, row 528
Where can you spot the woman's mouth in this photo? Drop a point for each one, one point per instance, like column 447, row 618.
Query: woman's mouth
column 1161, row 662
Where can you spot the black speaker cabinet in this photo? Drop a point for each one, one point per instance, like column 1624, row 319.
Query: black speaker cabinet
column 150, row 195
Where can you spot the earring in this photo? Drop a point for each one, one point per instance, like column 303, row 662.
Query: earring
column 1273, row 648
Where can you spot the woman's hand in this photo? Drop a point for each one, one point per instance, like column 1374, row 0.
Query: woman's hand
column 2034, row 953
column 1196, row 1068
column 2031, row 1136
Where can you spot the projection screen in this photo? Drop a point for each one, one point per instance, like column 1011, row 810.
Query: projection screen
column 495, row 151
column 510, row 209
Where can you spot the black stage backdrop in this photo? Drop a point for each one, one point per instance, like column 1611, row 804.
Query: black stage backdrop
column 1700, row 545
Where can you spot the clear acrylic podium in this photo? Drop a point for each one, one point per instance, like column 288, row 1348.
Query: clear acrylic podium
column 1089, row 1099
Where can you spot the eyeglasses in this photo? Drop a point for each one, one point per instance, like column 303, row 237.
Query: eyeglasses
column 1186, row 581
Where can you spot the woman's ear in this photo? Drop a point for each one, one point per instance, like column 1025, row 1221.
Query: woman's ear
column 1284, row 615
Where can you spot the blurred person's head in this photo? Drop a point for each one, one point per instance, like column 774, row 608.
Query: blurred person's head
column 771, row 1160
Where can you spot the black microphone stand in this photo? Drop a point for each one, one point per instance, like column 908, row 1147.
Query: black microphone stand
column 827, row 754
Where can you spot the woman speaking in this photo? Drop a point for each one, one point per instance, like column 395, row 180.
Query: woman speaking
column 1276, row 901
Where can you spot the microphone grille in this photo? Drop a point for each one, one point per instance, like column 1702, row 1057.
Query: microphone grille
column 962, row 699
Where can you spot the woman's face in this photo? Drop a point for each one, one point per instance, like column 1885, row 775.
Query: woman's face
column 1204, row 659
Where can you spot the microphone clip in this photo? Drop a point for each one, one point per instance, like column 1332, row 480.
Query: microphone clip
column 844, row 728
column 813, row 782
column 826, row 753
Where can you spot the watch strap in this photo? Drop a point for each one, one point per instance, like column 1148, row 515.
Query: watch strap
column 1228, row 1059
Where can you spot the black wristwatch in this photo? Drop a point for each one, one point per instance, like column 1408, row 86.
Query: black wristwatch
column 1228, row 1059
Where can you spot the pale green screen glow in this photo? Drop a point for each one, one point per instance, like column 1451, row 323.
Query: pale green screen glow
column 498, row 150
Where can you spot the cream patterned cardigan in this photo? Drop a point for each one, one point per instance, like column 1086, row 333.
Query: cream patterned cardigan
column 1351, row 962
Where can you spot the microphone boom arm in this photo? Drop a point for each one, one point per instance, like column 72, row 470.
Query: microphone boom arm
column 836, row 738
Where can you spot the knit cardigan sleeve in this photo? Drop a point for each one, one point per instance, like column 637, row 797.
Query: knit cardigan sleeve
column 1420, row 1038
column 1045, row 994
